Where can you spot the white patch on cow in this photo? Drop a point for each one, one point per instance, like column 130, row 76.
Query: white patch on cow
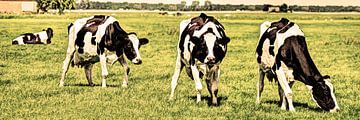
column 20, row 40
column 43, row 36
column 210, row 42
column 198, row 33
column 102, row 28
column 328, row 83
column 188, row 47
column 183, row 25
column 267, row 60
column 222, row 47
column 77, row 26
column 89, row 48
column 263, row 27
column 135, row 42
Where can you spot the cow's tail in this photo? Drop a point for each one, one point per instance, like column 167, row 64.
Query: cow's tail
column 69, row 26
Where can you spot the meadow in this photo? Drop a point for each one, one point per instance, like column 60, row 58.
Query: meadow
column 29, row 74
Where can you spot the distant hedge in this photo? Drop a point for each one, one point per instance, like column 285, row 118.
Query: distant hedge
column 85, row 4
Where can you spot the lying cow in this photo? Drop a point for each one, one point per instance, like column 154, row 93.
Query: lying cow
column 100, row 38
column 202, row 46
column 282, row 54
column 43, row 37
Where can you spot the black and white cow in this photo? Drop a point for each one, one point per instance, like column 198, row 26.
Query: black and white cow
column 43, row 37
column 100, row 39
column 282, row 54
column 202, row 46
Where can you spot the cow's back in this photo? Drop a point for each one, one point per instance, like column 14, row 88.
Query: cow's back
column 87, row 33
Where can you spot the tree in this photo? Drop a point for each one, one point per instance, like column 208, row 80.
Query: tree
column 61, row 5
column 284, row 8
column 84, row 4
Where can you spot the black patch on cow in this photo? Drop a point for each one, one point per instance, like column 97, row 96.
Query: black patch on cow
column 93, row 42
column 280, row 24
column 92, row 27
column 200, row 49
column 294, row 54
column 50, row 34
column 287, row 27
column 30, row 38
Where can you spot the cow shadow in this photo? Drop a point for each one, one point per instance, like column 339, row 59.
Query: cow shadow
column 304, row 105
column 208, row 98
column 87, row 85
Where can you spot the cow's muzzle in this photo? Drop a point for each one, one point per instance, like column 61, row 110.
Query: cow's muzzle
column 137, row 61
column 336, row 109
column 15, row 42
column 210, row 60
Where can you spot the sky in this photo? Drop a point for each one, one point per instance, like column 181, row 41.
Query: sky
column 253, row 2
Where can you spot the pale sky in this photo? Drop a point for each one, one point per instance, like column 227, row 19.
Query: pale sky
column 253, row 2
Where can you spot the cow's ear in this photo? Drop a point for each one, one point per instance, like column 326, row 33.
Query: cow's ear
column 326, row 77
column 284, row 20
column 143, row 41
column 225, row 40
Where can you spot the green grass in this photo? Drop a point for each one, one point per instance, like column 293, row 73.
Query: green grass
column 29, row 74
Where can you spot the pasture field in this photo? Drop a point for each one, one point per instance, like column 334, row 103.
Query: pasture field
column 29, row 74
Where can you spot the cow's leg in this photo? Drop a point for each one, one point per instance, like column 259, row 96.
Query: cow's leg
column 198, row 86
column 285, row 86
column 282, row 97
column 104, row 71
column 260, row 86
column 126, row 70
column 88, row 73
column 212, row 81
column 178, row 67
column 69, row 56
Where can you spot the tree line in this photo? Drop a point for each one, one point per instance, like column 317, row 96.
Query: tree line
column 195, row 6
column 61, row 5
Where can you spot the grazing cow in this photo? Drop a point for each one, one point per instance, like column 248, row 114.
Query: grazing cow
column 282, row 54
column 100, row 39
column 43, row 37
column 202, row 46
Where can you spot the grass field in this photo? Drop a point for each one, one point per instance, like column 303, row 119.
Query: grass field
column 29, row 74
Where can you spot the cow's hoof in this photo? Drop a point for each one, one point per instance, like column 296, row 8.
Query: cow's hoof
column 257, row 102
column 61, row 85
column 124, row 85
column 292, row 110
column 283, row 108
column 104, row 86
column 215, row 104
column 171, row 98
column 91, row 85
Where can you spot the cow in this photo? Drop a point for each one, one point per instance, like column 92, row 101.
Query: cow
column 43, row 37
column 100, row 38
column 201, row 48
column 282, row 55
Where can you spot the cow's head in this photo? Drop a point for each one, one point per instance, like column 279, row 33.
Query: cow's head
column 210, row 43
column 323, row 95
column 132, row 46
